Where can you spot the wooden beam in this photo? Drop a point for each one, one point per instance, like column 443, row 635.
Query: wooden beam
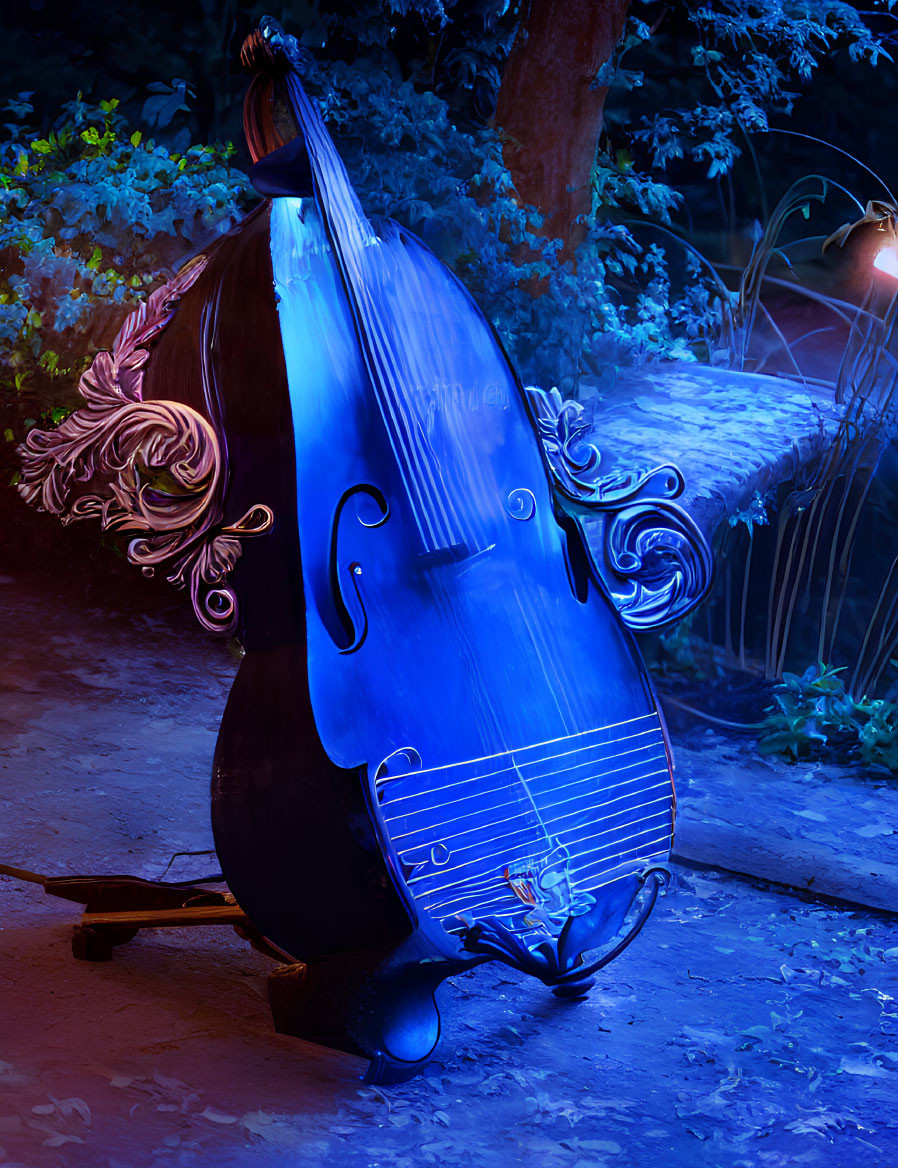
column 224, row 914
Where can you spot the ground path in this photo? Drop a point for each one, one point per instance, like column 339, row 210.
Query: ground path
column 744, row 1027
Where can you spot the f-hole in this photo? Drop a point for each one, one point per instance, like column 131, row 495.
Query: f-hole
column 576, row 557
column 349, row 607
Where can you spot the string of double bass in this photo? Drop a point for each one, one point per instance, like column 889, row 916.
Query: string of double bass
column 555, row 823
column 479, row 859
column 514, row 766
column 619, row 859
column 556, row 820
column 520, row 750
column 352, row 234
column 622, row 863
column 501, row 806
column 491, row 880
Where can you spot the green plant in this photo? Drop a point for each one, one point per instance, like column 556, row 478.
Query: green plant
column 815, row 711
column 747, row 60
column 91, row 215
column 681, row 652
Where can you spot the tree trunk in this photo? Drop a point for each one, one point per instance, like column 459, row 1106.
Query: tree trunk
column 550, row 110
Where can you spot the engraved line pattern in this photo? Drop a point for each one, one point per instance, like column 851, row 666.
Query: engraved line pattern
column 602, row 796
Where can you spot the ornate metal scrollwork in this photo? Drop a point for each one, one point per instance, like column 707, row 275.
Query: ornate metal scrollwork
column 652, row 557
column 152, row 469
column 558, row 961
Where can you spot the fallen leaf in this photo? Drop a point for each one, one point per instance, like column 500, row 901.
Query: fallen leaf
column 9, row 1077
column 270, row 1129
column 69, row 1107
column 217, row 1116
column 856, row 1067
column 167, row 1083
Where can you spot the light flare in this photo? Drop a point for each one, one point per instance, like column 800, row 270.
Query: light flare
column 886, row 260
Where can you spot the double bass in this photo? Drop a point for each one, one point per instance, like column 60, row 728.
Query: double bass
column 441, row 746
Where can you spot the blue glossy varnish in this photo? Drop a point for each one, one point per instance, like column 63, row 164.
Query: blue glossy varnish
column 493, row 704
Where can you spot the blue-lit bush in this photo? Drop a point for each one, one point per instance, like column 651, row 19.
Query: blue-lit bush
column 449, row 185
column 93, row 214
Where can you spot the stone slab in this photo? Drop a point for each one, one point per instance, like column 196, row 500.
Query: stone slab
column 821, row 827
column 730, row 433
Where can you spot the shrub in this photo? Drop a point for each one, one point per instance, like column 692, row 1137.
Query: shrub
column 93, row 214
column 814, row 712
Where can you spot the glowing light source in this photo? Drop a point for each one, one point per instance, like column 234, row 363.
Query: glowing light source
column 886, row 260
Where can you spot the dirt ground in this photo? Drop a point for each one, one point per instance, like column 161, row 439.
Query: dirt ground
column 745, row 1027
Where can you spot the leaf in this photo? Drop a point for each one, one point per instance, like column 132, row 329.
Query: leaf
column 217, row 1116
column 270, row 1129
column 857, row 1067
column 169, row 1084
column 608, row 1146
column 9, row 1077
column 69, row 1107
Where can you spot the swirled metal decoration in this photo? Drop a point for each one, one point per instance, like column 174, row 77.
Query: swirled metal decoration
column 654, row 561
column 563, row 431
column 558, row 961
column 151, row 469
column 521, row 503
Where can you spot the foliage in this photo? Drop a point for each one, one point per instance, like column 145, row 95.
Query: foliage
column 92, row 214
column 411, row 157
column 407, row 86
column 747, row 61
column 680, row 652
column 815, row 711
column 818, row 595
column 411, row 126
column 94, row 211
column 754, row 513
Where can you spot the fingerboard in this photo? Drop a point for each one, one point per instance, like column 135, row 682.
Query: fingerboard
column 372, row 271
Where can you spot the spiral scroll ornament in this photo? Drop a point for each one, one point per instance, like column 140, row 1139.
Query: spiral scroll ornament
column 649, row 553
column 154, row 470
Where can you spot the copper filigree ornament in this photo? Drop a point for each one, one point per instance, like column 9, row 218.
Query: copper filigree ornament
column 878, row 213
column 151, row 469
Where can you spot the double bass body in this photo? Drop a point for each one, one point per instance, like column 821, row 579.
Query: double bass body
column 457, row 740
column 441, row 746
